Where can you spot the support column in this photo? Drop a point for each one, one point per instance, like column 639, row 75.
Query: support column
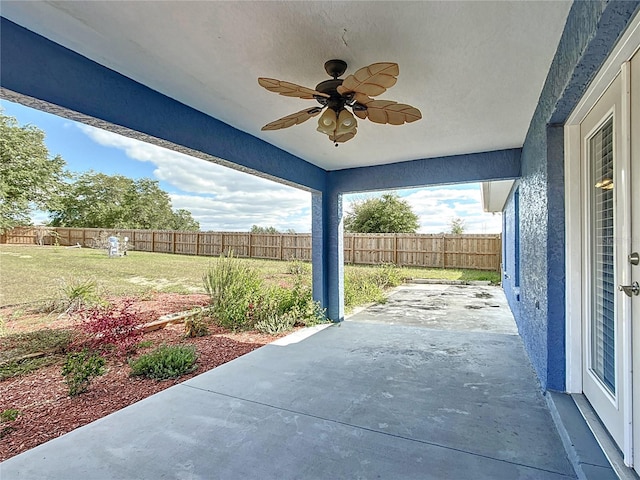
column 328, row 253
column 556, row 293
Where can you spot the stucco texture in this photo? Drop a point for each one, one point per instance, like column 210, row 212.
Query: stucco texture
column 591, row 32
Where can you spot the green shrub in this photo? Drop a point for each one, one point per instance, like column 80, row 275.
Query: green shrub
column 275, row 324
column 79, row 294
column 361, row 287
column 309, row 313
column 197, row 325
column 74, row 295
column 80, row 368
column 298, row 267
column 239, row 299
column 7, row 416
column 387, row 275
column 145, row 344
column 296, row 303
column 165, row 362
column 306, row 311
column 233, row 287
column 364, row 285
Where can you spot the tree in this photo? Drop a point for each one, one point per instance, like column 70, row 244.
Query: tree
column 387, row 214
column 457, row 226
column 96, row 200
column 182, row 220
column 29, row 177
column 258, row 229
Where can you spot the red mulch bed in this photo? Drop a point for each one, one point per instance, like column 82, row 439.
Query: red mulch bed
column 46, row 410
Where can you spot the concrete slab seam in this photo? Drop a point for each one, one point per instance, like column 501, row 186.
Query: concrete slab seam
column 372, row 430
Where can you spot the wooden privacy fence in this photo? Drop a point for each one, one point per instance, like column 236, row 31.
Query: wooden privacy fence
column 472, row 251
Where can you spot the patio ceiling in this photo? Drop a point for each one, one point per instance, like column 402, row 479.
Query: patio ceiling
column 474, row 69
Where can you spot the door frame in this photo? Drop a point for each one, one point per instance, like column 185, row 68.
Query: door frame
column 574, row 244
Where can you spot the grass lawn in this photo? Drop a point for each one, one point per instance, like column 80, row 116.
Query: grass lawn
column 30, row 274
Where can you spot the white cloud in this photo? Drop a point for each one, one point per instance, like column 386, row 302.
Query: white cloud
column 182, row 171
column 224, row 199
column 239, row 212
column 437, row 206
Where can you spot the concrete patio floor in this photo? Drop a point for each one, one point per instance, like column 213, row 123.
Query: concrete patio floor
column 373, row 397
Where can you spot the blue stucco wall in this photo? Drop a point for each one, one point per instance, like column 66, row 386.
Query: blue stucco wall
column 510, row 259
column 473, row 167
column 590, row 33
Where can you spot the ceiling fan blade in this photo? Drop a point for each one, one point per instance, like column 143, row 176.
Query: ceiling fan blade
column 293, row 119
column 360, row 114
column 345, row 137
column 372, row 80
column 394, row 113
column 289, row 89
column 386, row 111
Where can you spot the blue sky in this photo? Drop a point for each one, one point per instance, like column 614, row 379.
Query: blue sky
column 222, row 199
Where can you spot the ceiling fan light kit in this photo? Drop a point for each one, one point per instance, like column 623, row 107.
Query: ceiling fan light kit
column 337, row 96
column 327, row 122
column 346, row 123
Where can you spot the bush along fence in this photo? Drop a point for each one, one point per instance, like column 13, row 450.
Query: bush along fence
column 472, row 251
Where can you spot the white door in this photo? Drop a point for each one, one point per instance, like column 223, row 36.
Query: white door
column 632, row 266
column 603, row 361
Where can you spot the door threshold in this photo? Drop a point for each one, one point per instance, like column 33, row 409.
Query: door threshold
column 608, row 446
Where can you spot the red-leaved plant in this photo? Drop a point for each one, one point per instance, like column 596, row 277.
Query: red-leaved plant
column 112, row 328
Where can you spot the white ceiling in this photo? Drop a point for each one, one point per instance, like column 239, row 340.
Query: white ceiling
column 474, row 69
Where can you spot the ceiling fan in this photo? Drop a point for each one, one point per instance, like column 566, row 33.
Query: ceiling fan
column 339, row 95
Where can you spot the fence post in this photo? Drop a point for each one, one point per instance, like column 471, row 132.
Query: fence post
column 444, row 252
column 250, row 245
column 153, row 241
column 353, row 249
column 395, row 249
column 281, row 247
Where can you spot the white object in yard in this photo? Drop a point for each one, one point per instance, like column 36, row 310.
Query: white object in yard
column 113, row 246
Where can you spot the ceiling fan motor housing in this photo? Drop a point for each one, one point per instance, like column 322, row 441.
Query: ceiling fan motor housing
column 335, row 101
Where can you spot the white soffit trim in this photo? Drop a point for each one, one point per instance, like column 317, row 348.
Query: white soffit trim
column 494, row 194
column 623, row 51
